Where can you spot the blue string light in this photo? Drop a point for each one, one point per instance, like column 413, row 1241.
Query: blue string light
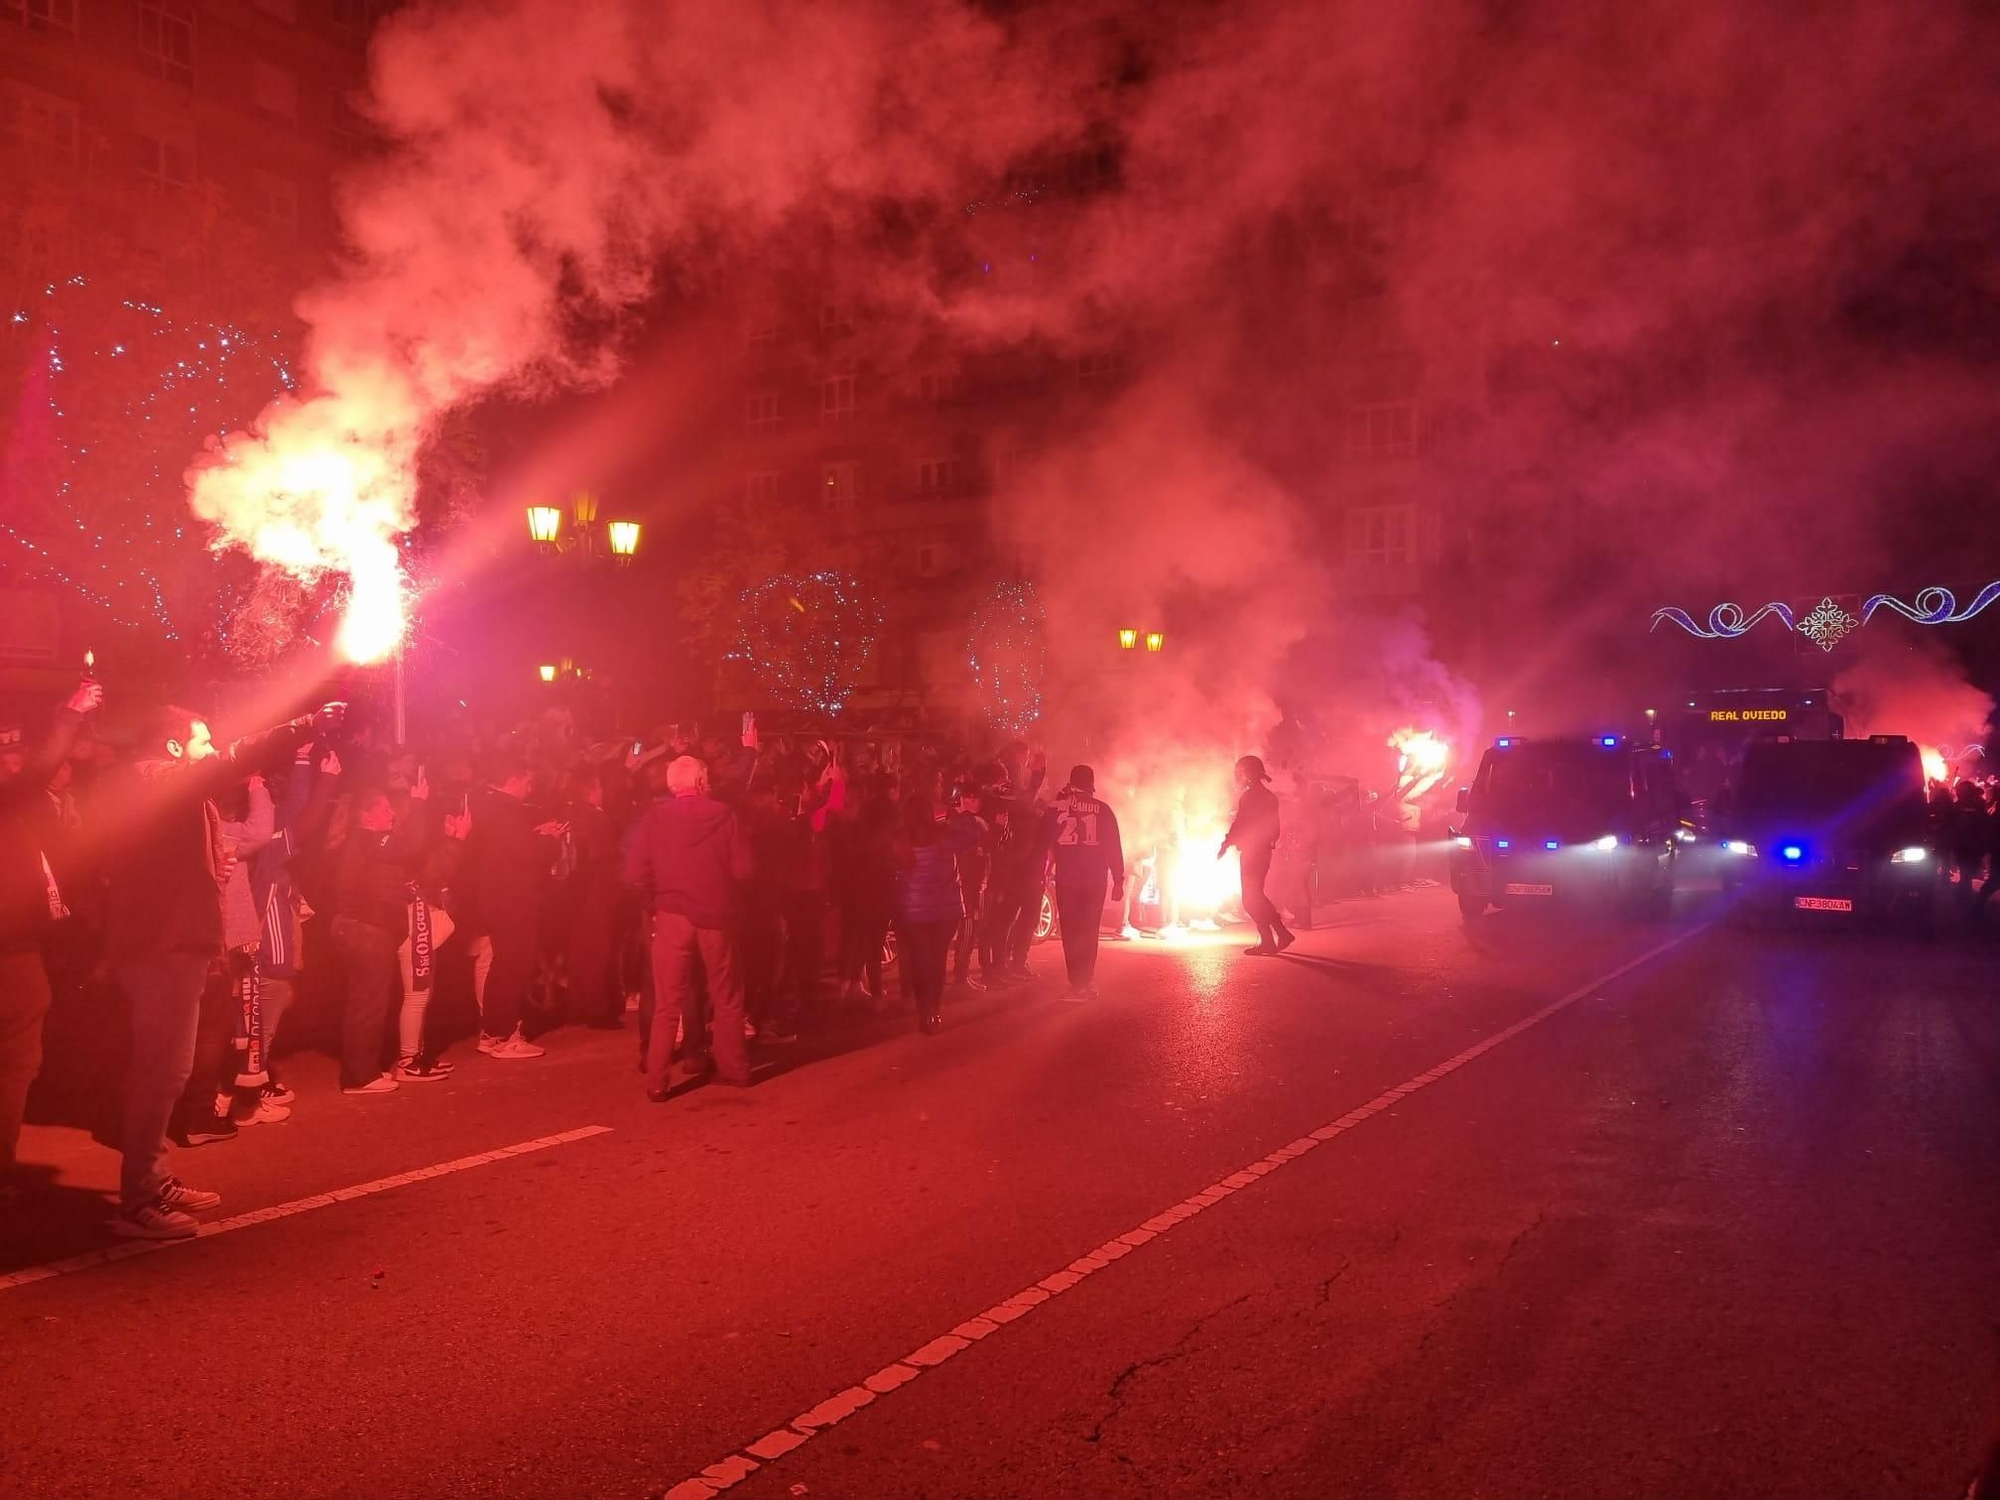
column 1007, row 652
column 129, row 536
column 808, row 638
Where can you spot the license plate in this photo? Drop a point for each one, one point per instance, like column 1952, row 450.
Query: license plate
column 1822, row 903
column 1530, row 890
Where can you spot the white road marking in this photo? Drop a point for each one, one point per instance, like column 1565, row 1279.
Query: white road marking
column 719, row 1476
column 126, row 1249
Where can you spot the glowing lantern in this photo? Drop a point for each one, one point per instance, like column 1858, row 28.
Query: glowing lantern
column 1156, row 640
column 1127, row 639
column 583, row 505
column 624, row 538
column 544, row 522
column 548, row 671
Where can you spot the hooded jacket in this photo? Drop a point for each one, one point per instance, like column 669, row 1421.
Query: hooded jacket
column 688, row 858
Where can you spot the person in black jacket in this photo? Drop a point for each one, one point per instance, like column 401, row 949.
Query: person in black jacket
column 30, row 904
column 1254, row 835
column 372, row 904
column 163, row 930
column 591, row 953
column 507, row 868
column 1082, row 836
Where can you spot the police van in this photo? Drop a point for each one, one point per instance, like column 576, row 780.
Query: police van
column 1593, row 818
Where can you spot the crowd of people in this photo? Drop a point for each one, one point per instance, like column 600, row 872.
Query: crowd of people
column 732, row 892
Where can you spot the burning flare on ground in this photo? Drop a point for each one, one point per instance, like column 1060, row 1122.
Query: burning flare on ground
column 324, row 487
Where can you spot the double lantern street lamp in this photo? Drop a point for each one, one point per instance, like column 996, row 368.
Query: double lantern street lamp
column 545, row 529
column 1128, row 640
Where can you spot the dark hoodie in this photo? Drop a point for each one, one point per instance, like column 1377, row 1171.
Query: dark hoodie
column 688, row 858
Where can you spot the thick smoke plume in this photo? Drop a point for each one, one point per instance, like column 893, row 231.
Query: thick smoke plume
column 1668, row 278
column 1914, row 688
column 546, row 161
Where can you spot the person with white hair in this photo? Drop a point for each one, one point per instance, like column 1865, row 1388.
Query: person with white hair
column 689, row 859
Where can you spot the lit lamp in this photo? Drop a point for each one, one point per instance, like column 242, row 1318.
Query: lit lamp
column 544, row 522
column 624, row 539
column 548, row 671
column 1127, row 639
column 1155, row 640
column 583, row 505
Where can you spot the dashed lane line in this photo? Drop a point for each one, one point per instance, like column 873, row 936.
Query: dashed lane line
column 126, row 1249
column 836, row 1408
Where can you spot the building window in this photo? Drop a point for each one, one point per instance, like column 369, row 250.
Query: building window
column 763, row 335
column 836, row 398
column 277, row 200
column 840, row 484
column 940, row 476
column 166, row 39
column 835, row 319
column 46, row 128
column 41, row 15
column 350, row 129
column 939, row 389
column 275, row 93
column 760, row 412
column 1099, row 369
column 1382, row 536
column 166, row 156
column 1386, row 431
column 761, row 487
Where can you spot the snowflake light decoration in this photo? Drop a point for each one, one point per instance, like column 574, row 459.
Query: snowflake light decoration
column 1827, row 626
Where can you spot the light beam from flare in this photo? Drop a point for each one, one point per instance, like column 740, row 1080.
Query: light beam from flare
column 1935, row 768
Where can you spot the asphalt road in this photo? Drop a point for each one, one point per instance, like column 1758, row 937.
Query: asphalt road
column 1720, row 1219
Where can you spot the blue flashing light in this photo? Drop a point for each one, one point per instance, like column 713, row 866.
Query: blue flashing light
column 1791, row 853
column 1503, row 742
column 1609, row 742
column 1549, row 844
column 1502, row 844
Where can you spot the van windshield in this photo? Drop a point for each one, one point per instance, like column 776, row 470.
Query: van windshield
column 1560, row 781
column 1829, row 779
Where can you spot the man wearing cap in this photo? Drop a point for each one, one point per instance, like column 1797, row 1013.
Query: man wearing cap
column 1254, row 835
column 29, row 904
column 1083, row 836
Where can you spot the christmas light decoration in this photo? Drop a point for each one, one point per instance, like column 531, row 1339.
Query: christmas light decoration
column 1828, row 625
column 130, row 393
column 1007, row 651
column 808, row 638
column 1933, row 606
column 1725, row 621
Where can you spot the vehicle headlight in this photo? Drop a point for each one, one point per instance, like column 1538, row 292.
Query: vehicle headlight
column 1605, row 844
column 1684, row 835
column 1737, row 846
column 1914, row 855
column 1462, row 841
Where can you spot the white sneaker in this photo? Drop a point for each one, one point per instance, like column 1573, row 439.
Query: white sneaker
column 154, row 1221
column 177, row 1194
column 266, row 1113
column 380, row 1084
column 1128, row 933
column 1074, row 997
column 512, row 1048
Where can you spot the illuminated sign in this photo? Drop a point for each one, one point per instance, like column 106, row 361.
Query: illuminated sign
column 1748, row 715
